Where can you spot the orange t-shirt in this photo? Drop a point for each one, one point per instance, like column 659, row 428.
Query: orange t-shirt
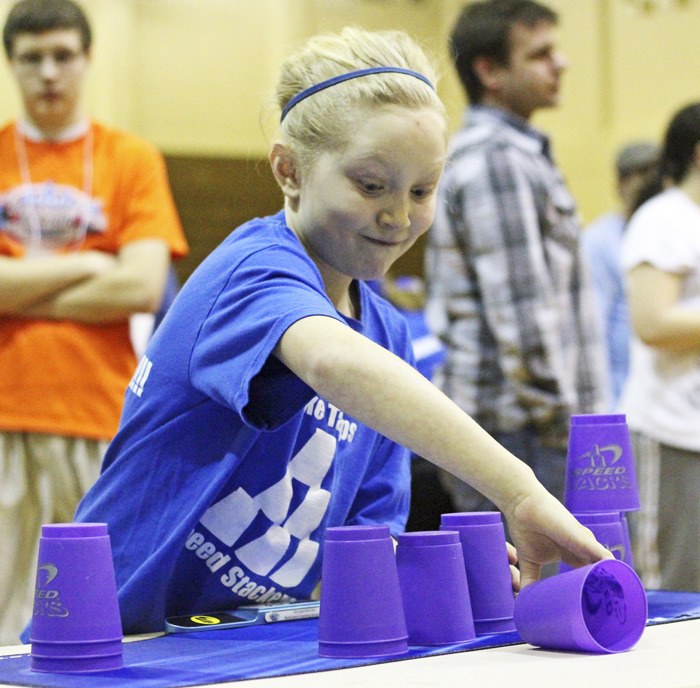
column 64, row 377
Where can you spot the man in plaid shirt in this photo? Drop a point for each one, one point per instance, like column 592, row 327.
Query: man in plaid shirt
column 507, row 290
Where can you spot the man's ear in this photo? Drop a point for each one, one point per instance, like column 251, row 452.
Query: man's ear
column 285, row 170
column 489, row 73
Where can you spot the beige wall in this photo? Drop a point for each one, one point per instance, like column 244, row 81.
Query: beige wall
column 191, row 75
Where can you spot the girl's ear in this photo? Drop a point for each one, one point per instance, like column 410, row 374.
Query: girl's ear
column 285, row 170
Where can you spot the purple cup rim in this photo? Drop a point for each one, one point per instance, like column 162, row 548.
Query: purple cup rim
column 58, row 658
column 428, row 538
column 76, row 665
column 379, row 641
column 42, row 641
column 638, row 593
column 492, row 626
column 73, row 530
column 388, row 647
column 347, row 533
column 470, row 518
column 597, row 418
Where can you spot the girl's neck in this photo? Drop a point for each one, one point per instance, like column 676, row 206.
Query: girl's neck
column 343, row 293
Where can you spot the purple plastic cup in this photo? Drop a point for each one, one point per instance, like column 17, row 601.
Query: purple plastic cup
column 610, row 531
column 434, row 588
column 483, row 540
column 361, row 612
column 599, row 608
column 76, row 626
column 600, row 473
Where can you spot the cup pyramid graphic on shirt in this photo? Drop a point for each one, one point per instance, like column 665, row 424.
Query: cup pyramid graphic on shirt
column 600, row 473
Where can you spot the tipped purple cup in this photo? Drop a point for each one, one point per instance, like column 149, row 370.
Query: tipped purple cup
column 75, row 626
column 434, row 588
column 483, row 539
column 361, row 612
column 610, row 531
column 600, row 473
column 600, row 608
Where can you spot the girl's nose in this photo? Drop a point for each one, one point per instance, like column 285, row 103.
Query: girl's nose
column 396, row 216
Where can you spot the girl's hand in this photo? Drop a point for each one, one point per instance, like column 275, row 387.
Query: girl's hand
column 544, row 531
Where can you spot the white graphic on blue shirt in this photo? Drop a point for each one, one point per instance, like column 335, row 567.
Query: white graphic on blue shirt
column 231, row 516
column 49, row 216
column 140, row 376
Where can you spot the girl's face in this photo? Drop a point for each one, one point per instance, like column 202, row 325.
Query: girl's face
column 362, row 206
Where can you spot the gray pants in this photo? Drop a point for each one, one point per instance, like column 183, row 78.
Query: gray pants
column 665, row 534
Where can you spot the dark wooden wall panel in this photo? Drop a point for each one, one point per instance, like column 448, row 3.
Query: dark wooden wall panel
column 215, row 195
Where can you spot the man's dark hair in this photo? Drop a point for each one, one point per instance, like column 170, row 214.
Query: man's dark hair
column 483, row 30
column 38, row 16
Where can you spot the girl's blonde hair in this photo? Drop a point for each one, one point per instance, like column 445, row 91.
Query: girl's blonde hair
column 321, row 121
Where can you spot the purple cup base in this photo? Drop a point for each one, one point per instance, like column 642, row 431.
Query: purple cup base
column 67, row 649
column 360, row 650
column 68, row 657
column 489, row 626
column 75, row 664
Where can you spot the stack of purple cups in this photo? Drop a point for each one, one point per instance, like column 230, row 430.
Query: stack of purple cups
column 601, row 485
column 361, row 612
column 601, row 607
column 76, row 627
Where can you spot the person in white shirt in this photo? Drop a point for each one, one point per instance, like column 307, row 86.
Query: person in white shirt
column 661, row 257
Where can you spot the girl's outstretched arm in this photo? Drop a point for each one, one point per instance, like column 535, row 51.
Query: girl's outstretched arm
column 384, row 392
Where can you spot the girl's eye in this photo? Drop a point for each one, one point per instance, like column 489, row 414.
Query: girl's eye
column 422, row 192
column 370, row 187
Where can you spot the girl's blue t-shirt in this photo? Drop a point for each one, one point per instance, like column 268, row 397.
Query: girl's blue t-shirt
column 227, row 468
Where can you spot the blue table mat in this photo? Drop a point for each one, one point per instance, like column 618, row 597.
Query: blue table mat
column 282, row 649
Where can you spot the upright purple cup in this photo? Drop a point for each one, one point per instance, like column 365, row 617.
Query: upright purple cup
column 610, row 531
column 434, row 588
column 76, row 625
column 600, row 473
column 601, row 608
column 361, row 612
column 483, row 539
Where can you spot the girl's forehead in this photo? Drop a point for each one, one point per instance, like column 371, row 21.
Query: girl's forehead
column 384, row 131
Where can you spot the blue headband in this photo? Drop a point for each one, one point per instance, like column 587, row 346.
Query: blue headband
column 346, row 77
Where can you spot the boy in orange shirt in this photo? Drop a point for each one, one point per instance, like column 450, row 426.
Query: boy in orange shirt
column 87, row 230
